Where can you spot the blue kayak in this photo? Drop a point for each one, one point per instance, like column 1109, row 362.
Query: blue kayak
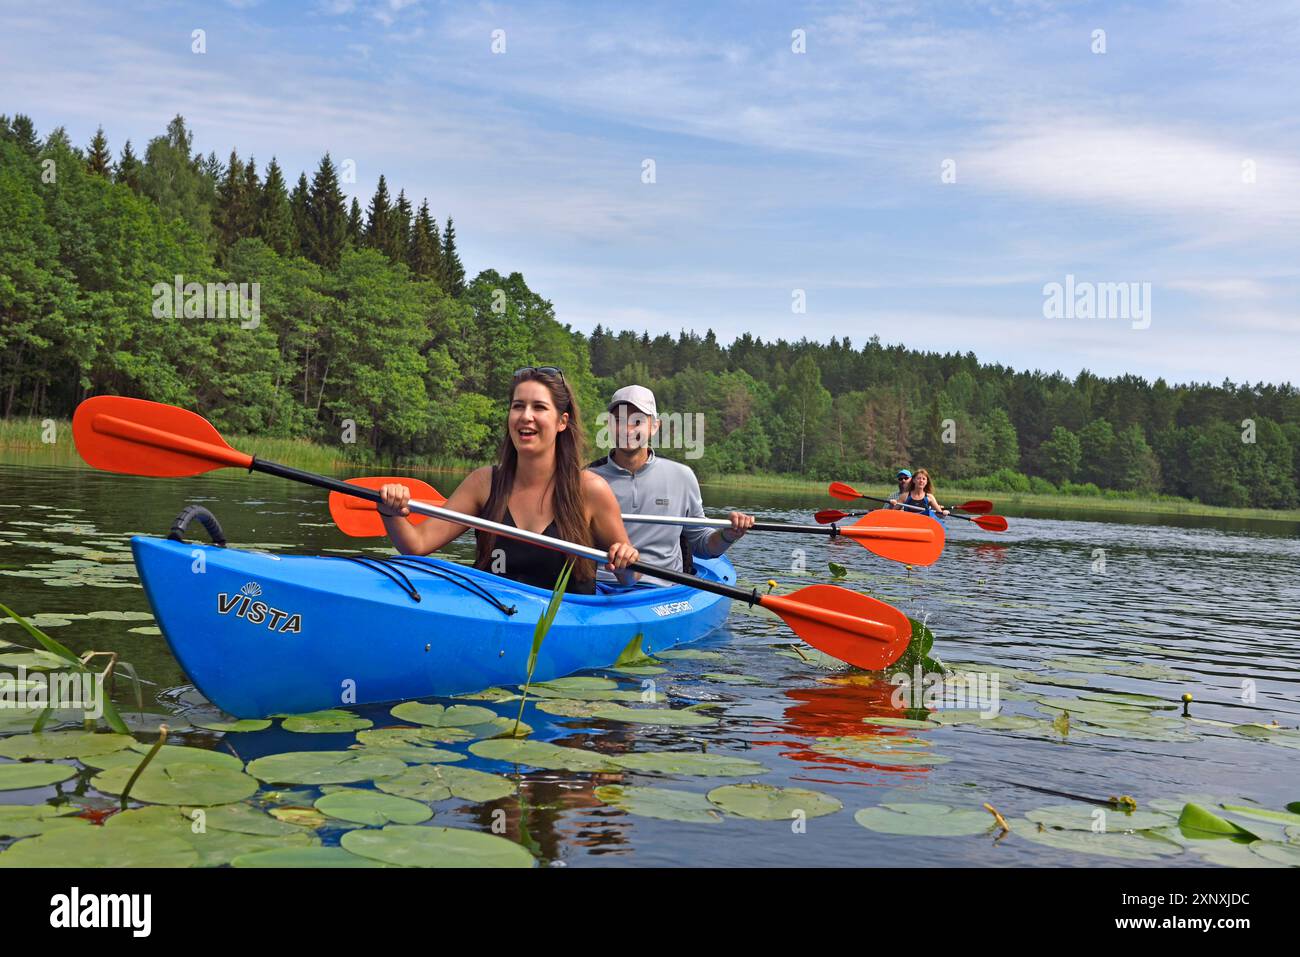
column 263, row 634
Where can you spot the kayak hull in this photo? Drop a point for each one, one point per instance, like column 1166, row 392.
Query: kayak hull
column 263, row 634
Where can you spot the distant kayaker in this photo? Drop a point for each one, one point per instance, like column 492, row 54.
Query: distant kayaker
column 920, row 494
column 904, row 480
column 647, row 484
column 538, row 484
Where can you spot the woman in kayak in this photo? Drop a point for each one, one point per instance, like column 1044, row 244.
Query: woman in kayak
column 538, row 484
column 920, row 494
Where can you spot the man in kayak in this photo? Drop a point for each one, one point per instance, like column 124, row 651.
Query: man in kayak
column 904, row 480
column 647, row 484
column 538, row 484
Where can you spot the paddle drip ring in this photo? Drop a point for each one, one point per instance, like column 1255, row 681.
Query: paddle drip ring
column 206, row 518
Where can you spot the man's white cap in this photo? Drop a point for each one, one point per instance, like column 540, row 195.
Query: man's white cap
column 637, row 396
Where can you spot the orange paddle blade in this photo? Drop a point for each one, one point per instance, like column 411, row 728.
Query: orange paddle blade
column 976, row 506
column 360, row 517
column 994, row 523
column 862, row 631
column 843, row 490
column 899, row 536
column 828, row 515
column 138, row 437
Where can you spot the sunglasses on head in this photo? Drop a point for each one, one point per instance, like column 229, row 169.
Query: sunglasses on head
column 545, row 370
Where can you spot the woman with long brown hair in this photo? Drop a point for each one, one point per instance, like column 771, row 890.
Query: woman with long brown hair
column 920, row 495
column 538, row 484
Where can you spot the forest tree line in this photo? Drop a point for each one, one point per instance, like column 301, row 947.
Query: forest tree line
column 367, row 317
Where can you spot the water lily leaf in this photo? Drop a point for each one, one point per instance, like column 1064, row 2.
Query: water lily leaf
column 731, row 679
column 1278, row 853
column 52, row 745
column 437, row 716
column 434, row 782
column 1090, row 706
column 1129, row 698
column 498, row 727
column 539, row 754
column 20, row 820
column 324, row 767
column 244, row 725
column 568, row 707
column 33, row 660
column 688, row 762
column 924, row 820
column 121, row 615
column 662, row 803
column 955, row 716
column 632, row 656
column 168, row 754
column 584, row 694
column 416, row 846
column 409, row 744
column 837, row 570
column 101, row 847
column 766, row 802
column 295, row 857
column 242, row 819
column 664, row 716
column 299, row 816
column 889, row 721
column 371, row 807
column 1282, row 737
column 1197, row 822
column 578, row 683
column 1139, row 845
column 688, row 654
column 18, row 777
column 1280, row 817
column 1082, row 817
column 217, row 848
column 184, row 782
column 326, row 722
column 499, row 695
column 876, row 750
column 639, row 670
column 146, row 630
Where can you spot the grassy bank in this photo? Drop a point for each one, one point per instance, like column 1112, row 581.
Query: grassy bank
column 21, row 442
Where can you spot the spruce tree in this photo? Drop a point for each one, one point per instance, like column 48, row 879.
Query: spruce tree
column 355, row 226
column 127, row 170
column 379, row 217
column 399, row 240
column 99, row 160
column 425, row 257
column 275, row 225
column 329, row 216
column 23, row 131
column 453, row 273
column 230, row 214
column 300, row 210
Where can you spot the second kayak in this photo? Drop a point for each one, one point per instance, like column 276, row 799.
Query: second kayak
column 263, row 634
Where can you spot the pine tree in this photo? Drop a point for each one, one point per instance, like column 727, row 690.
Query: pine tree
column 128, row 167
column 275, row 225
column 329, row 216
column 355, row 226
column 453, row 273
column 300, row 211
column 379, row 218
column 23, row 132
column 99, row 160
column 425, row 257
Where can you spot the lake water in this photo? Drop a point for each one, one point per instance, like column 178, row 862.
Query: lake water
column 1093, row 611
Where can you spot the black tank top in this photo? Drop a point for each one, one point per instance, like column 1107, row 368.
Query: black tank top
column 916, row 503
column 534, row 565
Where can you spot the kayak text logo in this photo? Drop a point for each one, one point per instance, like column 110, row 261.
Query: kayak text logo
column 672, row 608
column 243, row 605
column 974, row 690
column 81, row 691
column 1098, row 300
column 103, row 910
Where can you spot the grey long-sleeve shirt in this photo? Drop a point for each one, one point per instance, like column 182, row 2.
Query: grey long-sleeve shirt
column 660, row 487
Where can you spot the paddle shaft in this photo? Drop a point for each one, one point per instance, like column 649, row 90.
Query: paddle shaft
column 509, row 531
column 831, row 530
column 914, row 508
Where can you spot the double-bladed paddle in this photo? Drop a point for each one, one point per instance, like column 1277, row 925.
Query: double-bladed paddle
column 138, row 437
column 897, row 536
column 846, row 492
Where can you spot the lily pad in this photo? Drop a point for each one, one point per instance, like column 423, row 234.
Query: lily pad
column 1082, row 817
column 539, row 754
column 184, row 782
column 20, row 820
column 663, row 716
column 569, row 707
column 409, row 744
column 1278, row 853
column 326, row 722
column 766, row 802
column 1139, row 845
column 33, row 660
column 577, row 683
column 372, row 807
column 435, row 782
column 662, row 803
column 101, row 847
column 498, row 695
column 688, row 762
column 296, row 857
column 872, row 750
column 438, row 716
column 52, row 745
column 167, row 755
column 324, row 767
column 1264, row 814
column 889, row 721
column 307, row 817
column 1198, row 822
column 688, row 654
column 242, row 819
column 924, row 820
column 731, row 679
column 242, row 726
column 584, row 694
column 414, row 846
column 18, row 777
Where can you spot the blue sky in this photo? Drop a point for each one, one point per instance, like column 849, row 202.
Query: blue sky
column 775, row 170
